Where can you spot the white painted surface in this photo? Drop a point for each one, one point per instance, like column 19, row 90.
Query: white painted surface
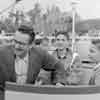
column 12, row 95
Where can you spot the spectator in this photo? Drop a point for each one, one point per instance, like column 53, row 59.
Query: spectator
column 94, row 55
column 63, row 52
column 45, row 43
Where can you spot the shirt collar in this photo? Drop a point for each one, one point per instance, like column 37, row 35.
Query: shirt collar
column 24, row 59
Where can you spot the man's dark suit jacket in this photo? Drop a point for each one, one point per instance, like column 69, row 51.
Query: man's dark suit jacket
column 38, row 59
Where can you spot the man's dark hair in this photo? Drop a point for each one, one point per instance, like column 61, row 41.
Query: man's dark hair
column 24, row 29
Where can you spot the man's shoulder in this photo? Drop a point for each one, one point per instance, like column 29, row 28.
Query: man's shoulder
column 6, row 49
column 41, row 53
column 3, row 48
column 38, row 50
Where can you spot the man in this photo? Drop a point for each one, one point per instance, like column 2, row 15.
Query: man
column 22, row 62
column 94, row 55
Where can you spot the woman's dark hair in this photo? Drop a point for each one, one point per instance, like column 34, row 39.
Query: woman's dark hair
column 24, row 29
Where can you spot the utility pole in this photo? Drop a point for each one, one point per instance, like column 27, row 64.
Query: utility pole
column 73, row 4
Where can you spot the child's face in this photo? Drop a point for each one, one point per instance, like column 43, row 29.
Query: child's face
column 94, row 53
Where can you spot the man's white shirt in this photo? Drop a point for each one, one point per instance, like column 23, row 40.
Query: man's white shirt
column 21, row 69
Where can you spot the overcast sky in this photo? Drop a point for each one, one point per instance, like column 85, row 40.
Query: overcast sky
column 86, row 8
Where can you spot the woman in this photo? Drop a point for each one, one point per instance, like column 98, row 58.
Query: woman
column 63, row 51
column 72, row 64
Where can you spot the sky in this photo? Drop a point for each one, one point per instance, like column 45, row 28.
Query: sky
column 87, row 9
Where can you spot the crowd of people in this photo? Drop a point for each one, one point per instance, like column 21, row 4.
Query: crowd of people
column 24, row 62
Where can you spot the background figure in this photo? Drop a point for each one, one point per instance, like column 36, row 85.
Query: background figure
column 78, row 74
column 94, row 55
column 44, row 77
column 45, row 43
column 74, row 70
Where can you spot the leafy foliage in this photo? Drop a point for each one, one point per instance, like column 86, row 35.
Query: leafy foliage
column 49, row 22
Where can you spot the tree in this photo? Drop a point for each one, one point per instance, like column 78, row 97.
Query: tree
column 53, row 19
column 36, row 11
column 9, row 25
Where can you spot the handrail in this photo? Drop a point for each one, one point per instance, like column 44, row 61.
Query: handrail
column 53, row 89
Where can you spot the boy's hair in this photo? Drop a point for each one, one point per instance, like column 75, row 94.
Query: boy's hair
column 24, row 29
column 63, row 33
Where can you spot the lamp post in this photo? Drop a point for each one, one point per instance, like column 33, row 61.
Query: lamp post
column 73, row 4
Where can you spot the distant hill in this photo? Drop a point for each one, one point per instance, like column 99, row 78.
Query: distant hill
column 86, row 25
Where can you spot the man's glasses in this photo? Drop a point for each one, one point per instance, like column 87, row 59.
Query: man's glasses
column 20, row 43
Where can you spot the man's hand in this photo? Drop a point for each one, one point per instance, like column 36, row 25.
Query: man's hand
column 38, row 83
